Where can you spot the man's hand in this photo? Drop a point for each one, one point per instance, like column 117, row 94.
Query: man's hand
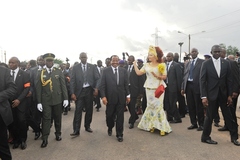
column 65, row 103
column 234, row 95
column 95, row 93
column 39, row 107
column 205, row 102
column 29, row 94
column 73, row 97
column 15, row 103
column 182, row 92
column 229, row 101
column 128, row 100
column 104, row 100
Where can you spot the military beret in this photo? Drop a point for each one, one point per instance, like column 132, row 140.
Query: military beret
column 140, row 60
column 49, row 56
column 121, row 62
column 207, row 55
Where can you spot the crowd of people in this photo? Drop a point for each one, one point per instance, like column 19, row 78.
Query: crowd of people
column 37, row 96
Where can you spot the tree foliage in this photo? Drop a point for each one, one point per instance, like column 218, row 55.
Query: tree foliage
column 231, row 50
column 58, row 61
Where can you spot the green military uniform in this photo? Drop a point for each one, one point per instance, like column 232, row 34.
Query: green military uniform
column 51, row 91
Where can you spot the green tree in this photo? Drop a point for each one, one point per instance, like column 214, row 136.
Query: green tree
column 229, row 49
column 58, row 61
column 232, row 50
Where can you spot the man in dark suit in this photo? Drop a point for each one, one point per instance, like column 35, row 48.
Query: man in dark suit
column 216, row 90
column 136, row 89
column 37, row 115
column 235, row 88
column 83, row 86
column 51, row 96
column 19, row 104
column 97, row 98
column 180, row 98
column 7, row 90
column 31, row 101
column 190, row 86
column 115, row 92
column 173, row 81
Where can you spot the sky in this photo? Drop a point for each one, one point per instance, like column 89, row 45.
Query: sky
column 29, row 28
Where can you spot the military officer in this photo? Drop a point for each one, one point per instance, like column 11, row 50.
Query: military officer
column 51, row 95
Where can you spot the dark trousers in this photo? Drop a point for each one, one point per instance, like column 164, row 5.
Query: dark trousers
column 97, row 100
column 112, row 112
column 5, row 153
column 144, row 101
column 19, row 126
column 30, row 115
column 195, row 106
column 232, row 108
column 132, row 110
column 181, row 104
column 51, row 112
column 170, row 105
column 85, row 100
column 212, row 109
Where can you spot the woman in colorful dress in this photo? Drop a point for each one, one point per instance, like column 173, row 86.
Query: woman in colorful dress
column 154, row 116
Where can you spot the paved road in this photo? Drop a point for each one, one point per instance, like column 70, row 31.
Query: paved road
column 137, row 145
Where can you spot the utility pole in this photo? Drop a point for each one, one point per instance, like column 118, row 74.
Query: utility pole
column 156, row 36
column 5, row 57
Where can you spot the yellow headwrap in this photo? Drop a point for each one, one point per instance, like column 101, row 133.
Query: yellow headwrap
column 152, row 50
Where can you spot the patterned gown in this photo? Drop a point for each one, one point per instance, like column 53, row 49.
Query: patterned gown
column 154, row 115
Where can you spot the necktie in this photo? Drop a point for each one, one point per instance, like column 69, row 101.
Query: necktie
column 217, row 66
column 13, row 74
column 129, row 69
column 84, row 74
column 84, row 68
column 191, row 70
column 115, row 74
column 50, row 71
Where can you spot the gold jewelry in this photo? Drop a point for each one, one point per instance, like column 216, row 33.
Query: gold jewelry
column 44, row 83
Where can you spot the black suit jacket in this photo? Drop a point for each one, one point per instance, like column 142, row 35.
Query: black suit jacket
column 22, row 82
column 136, row 82
column 77, row 78
column 33, row 78
column 235, row 76
column 115, row 94
column 7, row 90
column 174, row 77
column 196, row 75
column 211, row 84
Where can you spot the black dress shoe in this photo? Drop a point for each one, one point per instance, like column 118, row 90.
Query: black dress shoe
column 131, row 126
column 209, row 141
column 236, row 142
column 44, row 144
column 182, row 116
column 15, row 145
column 75, row 134
column 200, row 128
column 120, row 138
column 216, row 125
column 109, row 132
column 58, row 138
column 176, row 121
column 37, row 135
column 89, row 130
column 23, row 145
column 224, row 128
column 192, row 127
